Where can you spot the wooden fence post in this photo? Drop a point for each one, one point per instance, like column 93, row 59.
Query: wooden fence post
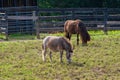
column 4, row 24
column 37, row 28
column 33, row 19
column 105, row 20
column 6, row 18
column 34, row 15
column 73, row 14
column 6, row 33
column 63, row 13
column 37, row 32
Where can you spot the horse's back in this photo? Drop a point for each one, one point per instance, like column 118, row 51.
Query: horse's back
column 71, row 26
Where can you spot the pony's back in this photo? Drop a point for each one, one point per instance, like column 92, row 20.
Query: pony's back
column 52, row 42
column 50, row 39
column 56, row 43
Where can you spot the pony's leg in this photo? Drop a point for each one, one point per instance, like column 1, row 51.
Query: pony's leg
column 61, row 54
column 50, row 56
column 43, row 55
column 77, row 39
column 68, row 56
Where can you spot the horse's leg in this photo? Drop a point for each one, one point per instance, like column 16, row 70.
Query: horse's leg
column 61, row 54
column 50, row 56
column 43, row 54
column 70, row 36
column 77, row 39
column 84, row 41
column 67, row 35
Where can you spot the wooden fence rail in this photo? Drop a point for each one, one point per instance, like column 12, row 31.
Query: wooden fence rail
column 3, row 25
column 20, row 18
column 94, row 18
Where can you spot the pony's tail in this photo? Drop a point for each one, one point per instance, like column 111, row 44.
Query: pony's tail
column 42, row 46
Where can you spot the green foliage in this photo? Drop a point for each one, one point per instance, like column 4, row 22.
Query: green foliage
column 100, row 60
column 78, row 3
column 21, row 36
column 2, row 36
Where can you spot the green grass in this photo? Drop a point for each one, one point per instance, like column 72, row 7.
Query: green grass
column 2, row 36
column 100, row 60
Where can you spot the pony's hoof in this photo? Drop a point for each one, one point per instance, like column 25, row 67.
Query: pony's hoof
column 61, row 61
column 84, row 44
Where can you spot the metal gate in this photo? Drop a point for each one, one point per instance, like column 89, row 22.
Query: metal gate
column 3, row 24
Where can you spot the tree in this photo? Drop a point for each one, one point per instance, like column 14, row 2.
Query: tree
column 79, row 3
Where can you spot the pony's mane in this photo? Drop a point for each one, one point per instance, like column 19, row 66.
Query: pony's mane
column 78, row 20
column 67, row 41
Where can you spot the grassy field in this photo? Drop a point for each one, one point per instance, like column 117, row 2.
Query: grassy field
column 100, row 60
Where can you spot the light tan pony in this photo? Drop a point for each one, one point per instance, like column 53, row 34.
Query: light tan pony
column 57, row 44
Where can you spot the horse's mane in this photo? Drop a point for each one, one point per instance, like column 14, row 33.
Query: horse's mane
column 83, row 29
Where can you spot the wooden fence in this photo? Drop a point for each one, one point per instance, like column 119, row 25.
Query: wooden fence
column 21, row 19
column 94, row 18
column 3, row 24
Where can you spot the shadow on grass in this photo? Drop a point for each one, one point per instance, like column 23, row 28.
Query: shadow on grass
column 73, row 64
column 77, row 64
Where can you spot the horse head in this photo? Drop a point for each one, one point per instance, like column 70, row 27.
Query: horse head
column 83, row 33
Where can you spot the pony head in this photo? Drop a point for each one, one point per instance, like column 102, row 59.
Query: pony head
column 69, row 49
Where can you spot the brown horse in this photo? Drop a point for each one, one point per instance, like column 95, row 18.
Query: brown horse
column 56, row 44
column 76, row 27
